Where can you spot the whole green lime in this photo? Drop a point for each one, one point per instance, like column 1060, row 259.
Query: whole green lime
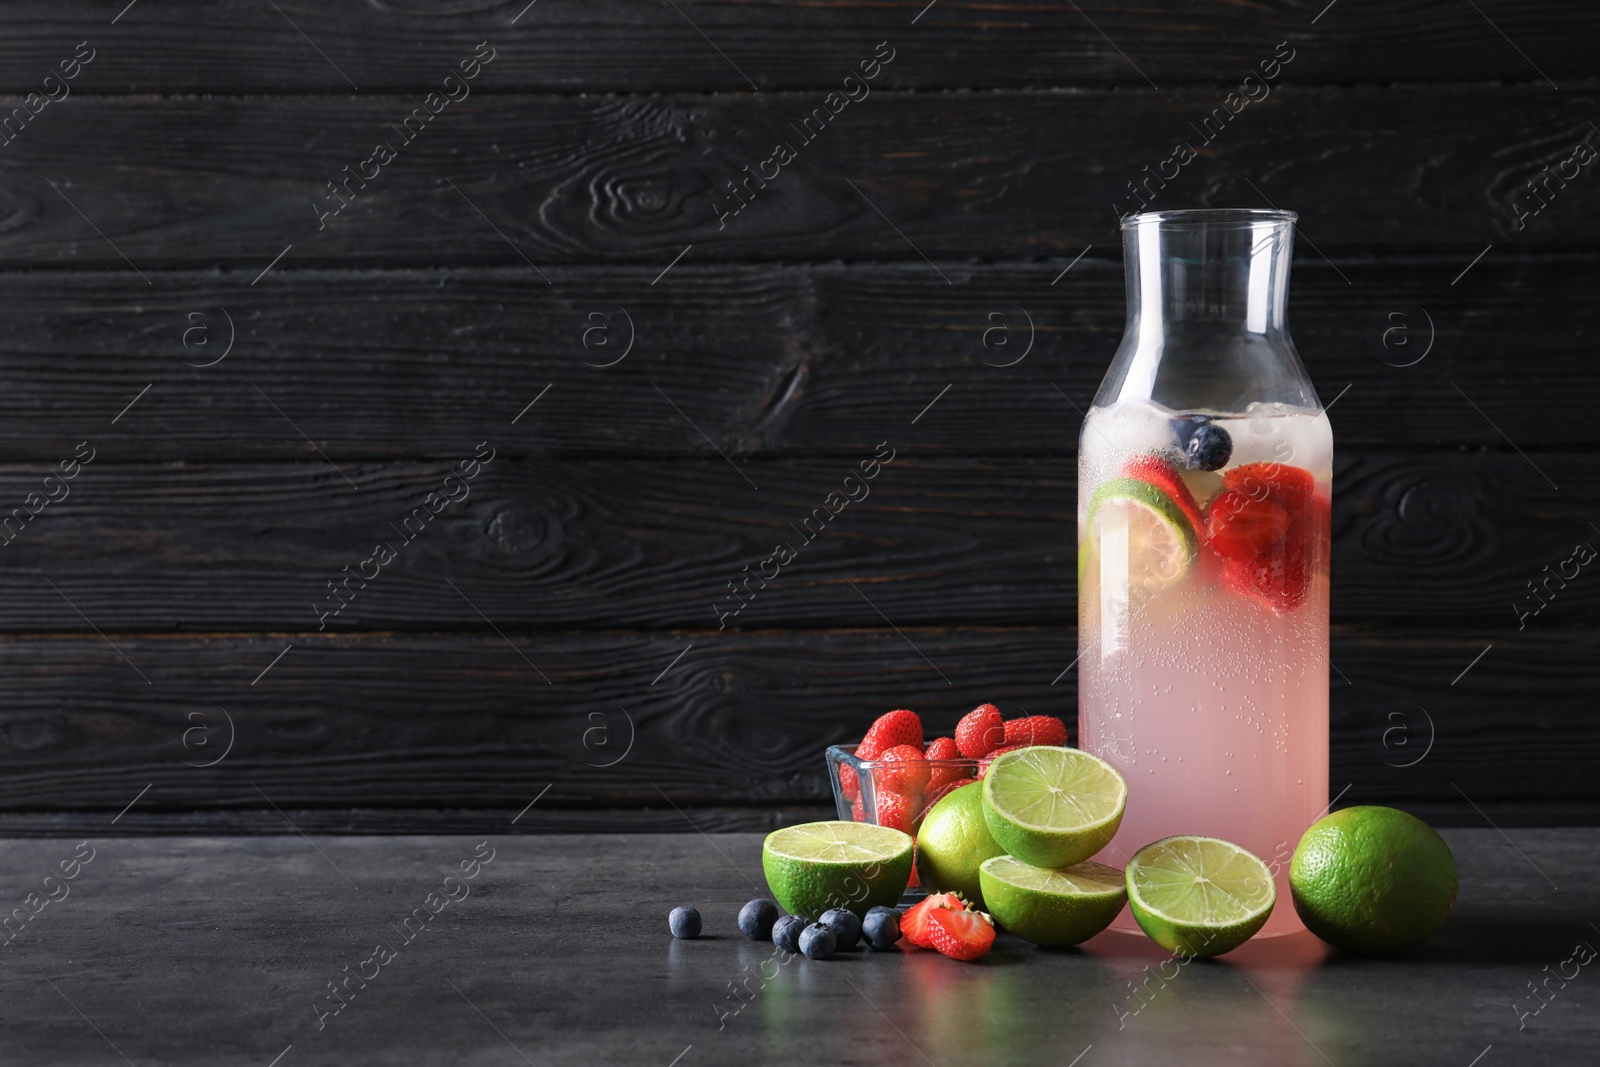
column 953, row 843
column 1372, row 879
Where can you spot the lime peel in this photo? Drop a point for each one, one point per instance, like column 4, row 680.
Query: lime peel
column 1372, row 879
column 953, row 840
column 1162, row 541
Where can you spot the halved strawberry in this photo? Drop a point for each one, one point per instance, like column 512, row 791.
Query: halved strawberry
column 1242, row 528
column 943, row 748
column 961, row 935
column 914, row 923
column 980, row 730
column 1267, row 524
column 1161, row 472
column 1292, row 487
column 1281, row 576
column 900, row 727
column 1036, row 730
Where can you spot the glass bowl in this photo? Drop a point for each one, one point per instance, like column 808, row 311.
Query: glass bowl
column 861, row 788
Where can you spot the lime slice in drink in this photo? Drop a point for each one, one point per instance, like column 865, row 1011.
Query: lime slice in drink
column 1199, row 896
column 1052, row 906
column 1135, row 521
column 820, row 865
column 1052, row 807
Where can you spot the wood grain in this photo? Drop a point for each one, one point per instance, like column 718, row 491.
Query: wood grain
column 233, row 182
column 1434, row 539
column 880, row 288
column 215, row 46
column 440, row 721
column 793, row 360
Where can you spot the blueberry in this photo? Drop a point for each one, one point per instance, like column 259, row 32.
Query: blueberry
column 1184, row 426
column 786, row 932
column 818, row 942
column 881, row 928
column 756, row 919
column 1208, row 448
column 845, row 924
column 684, row 922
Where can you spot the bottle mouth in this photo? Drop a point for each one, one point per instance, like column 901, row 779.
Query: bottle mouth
column 1208, row 218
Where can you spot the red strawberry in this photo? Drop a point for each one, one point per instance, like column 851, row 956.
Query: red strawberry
column 1266, row 524
column 943, row 748
column 1036, row 730
column 961, row 935
column 1280, row 577
column 1279, row 519
column 1290, row 486
column 983, row 764
column 895, row 728
column 1242, row 528
column 914, row 923
column 1161, row 472
column 849, row 781
column 980, row 730
column 933, row 796
column 901, row 770
column 858, row 811
column 915, row 883
column 894, row 811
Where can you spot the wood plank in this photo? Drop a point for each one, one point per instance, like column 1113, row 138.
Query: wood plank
column 266, row 822
column 637, row 180
column 449, row 721
column 637, row 45
column 1444, row 539
column 145, row 820
column 827, row 359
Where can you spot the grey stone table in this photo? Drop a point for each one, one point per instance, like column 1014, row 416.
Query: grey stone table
column 223, row 951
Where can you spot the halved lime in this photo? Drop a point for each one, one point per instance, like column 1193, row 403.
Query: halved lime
column 1199, row 896
column 820, row 865
column 1135, row 525
column 1052, row 906
column 1052, row 807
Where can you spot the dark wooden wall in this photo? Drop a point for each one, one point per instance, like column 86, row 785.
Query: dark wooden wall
column 562, row 617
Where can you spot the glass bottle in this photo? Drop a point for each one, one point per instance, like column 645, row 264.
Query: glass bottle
column 1204, row 479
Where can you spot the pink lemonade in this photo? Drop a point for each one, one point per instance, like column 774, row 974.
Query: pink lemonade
column 1203, row 627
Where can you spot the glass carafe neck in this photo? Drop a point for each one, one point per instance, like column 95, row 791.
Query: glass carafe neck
column 1226, row 267
column 1207, row 312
